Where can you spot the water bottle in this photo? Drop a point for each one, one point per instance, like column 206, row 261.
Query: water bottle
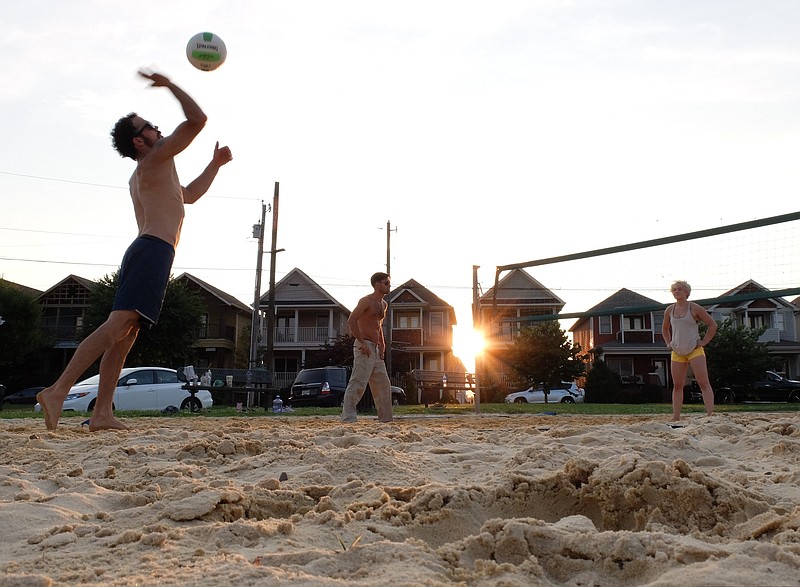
column 277, row 404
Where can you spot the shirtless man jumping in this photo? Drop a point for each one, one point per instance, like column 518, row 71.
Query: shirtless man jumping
column 366, row 325
column 158, row 200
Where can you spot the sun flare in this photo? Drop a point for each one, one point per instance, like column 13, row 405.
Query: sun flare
column 468, row 344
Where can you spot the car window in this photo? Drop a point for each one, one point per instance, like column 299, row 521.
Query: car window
column 337, row 375
column 143, row 377
column 167, row 376
column 310, row 376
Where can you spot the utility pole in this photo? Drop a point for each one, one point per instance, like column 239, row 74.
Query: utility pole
column 388, row 328
column 255, row 325
column 476, row 325
column 271, row 298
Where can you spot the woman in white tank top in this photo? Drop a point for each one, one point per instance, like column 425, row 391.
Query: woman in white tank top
column 682, row 335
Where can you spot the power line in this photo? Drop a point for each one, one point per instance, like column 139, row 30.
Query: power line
column 114, row 187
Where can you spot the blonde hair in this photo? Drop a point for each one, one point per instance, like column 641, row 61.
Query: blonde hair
column 683, row 284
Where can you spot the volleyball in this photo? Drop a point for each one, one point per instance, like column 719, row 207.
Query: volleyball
column 206, row 51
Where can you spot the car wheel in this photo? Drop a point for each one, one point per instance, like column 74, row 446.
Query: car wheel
column 794, row 397
column 567, row 400
column 192, row 404
column 520, row 400
column 723, row 396
column 395, row 401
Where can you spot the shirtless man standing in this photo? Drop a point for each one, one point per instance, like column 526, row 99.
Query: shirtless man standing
column 366, row 325
column 158, row 200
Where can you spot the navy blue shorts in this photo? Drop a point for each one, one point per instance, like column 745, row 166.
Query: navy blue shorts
column 143, row 277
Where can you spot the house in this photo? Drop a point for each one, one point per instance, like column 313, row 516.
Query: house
column 224, row 334
column 64, row 308
column 624, row 331
column 306, row 317
column 516, row 295
column 421, row 330
column 776, row 315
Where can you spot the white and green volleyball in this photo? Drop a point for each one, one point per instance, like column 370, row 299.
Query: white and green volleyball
column 206, row 51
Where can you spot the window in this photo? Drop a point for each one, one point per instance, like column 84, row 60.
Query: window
column 167, row 376
column 756, row 320
column 407, row 320
column 658, row 321
column 605, row 324
column 621, row 366
column 633, row 322
column 322, row 326
column 144, row 377
column 286, row 365
column 437, row 324
column 777, row 321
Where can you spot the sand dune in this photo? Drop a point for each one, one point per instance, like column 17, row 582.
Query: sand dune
column 470, row 500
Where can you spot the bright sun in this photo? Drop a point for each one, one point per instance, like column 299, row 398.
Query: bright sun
column 467, row 344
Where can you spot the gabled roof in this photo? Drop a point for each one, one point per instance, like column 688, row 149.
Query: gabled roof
column 624, row 298
column 23, row 288
column 222, row 296
column 413, row 293
column 750, row 286
column 298, row 289
column 82, row 281
column 519, row 288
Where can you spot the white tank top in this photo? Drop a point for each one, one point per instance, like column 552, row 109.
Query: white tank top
column 685, row 333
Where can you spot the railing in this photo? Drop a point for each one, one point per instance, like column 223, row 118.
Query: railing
column 302, row 334
column 61, row 333
column 216, row 331
column 639, row 336
column 283, row 379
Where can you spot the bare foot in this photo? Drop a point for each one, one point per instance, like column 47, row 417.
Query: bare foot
column 106, row 423
column 51, row 407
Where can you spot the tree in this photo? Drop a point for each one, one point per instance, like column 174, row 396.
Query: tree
column 169, row 344
column 337, row 352
column 543, row 354
column 602, row 384
column 20, row 332
column 735, row 357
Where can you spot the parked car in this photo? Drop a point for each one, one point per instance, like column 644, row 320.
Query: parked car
column 770, row 387
column 26, row 396
column 138, row 388
column 566, row 392
column 325, row 386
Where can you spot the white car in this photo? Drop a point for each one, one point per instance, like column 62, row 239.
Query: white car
column 566, row 393
column 138, row 388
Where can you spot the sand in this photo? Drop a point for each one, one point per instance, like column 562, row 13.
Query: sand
column 462, row 500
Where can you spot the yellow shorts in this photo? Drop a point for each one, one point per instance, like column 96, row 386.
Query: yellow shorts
column 698, row 352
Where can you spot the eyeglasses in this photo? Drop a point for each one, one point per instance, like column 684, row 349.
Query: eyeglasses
column 144, row 126
column 385, row 282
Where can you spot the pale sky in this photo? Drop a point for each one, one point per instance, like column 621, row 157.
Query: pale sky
column 487, row 133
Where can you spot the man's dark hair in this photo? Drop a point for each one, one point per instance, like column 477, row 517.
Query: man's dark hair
column 122, row 136
column 378, row 277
